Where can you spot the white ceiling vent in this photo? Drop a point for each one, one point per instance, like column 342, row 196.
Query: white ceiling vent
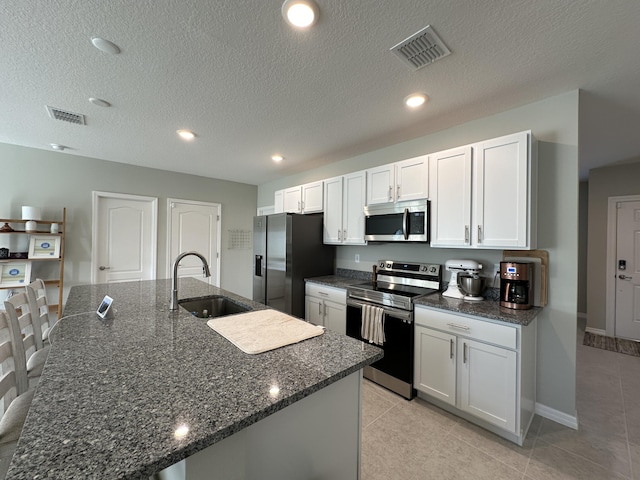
column 65, row 116
column 421, row 49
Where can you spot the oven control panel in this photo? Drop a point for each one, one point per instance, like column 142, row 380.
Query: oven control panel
column 421, row 268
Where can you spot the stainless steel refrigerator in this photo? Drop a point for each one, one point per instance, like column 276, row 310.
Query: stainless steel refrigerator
column 287, row 248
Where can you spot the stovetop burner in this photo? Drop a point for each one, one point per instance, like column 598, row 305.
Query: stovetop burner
column 398, row 283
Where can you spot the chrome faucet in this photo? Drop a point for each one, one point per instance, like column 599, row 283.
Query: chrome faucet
column 174, row 280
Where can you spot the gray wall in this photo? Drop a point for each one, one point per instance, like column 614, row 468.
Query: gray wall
column 604, row 183
column 554, row 122
column 55, row 180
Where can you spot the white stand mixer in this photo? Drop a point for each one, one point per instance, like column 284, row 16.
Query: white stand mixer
column 457, row 267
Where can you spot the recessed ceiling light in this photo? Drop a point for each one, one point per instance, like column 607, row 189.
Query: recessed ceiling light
column 57, row 146
column 300, row 13
column 415, row 100
column 99, row 102
column 105, row 45
column 186, row 134
column 277, row 158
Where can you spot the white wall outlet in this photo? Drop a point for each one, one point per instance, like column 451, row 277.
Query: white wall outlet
column 357, row 258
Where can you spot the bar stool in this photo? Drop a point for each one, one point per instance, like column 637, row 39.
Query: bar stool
column 37, row 295
column 36, row 353
column 15, row 398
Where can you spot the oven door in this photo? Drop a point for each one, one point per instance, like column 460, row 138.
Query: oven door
column 395, row 370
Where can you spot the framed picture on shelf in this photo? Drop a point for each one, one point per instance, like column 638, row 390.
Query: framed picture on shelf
column 15, row 274
column 44, row 246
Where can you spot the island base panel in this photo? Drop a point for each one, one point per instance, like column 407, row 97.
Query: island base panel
column 316, row 437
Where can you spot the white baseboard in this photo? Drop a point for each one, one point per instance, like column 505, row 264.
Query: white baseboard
column 596, row 331
column 557, row 416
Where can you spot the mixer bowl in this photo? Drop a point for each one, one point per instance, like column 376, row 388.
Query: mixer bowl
column 471, row 285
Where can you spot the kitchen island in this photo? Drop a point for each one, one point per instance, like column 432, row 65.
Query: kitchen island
column 129, row 396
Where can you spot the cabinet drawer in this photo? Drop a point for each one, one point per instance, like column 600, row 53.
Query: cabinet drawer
column 338, row 295
column 462, row 326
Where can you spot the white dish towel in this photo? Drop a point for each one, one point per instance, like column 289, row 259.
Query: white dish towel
column 373, row 324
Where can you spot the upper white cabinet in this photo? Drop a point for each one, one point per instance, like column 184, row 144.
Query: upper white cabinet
column 450, row 186
column 278, row 201
column 344, row 200
column 400, row 181
column 301, row 199
column 484, row 195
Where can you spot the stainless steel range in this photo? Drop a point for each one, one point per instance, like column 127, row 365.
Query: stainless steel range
column 391, row 294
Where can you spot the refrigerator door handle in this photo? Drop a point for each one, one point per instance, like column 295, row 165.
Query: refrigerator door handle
column 258, row 266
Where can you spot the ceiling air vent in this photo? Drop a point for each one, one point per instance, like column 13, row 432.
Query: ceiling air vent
column 65, row 116
column 421, row 49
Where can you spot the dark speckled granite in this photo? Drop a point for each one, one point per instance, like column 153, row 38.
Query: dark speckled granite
column 113, row 392
column 485, row 308
column 335, row 281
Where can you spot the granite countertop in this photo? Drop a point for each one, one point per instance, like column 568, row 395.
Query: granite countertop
column 116, row 395
column 485, row 309
column 343, row 278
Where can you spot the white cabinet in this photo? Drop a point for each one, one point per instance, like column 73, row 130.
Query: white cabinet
column 278, row 201
column 481, row 370
column 484, row 195
column 505, row 175
column 400, row 181
column 303, row 198
column 344, row 200
column 450, row 187
column 326, row 306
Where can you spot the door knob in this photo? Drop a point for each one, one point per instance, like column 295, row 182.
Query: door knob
column 102, row 267
column 625, row 277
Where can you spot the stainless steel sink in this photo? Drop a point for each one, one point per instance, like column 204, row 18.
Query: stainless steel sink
column 211, row 307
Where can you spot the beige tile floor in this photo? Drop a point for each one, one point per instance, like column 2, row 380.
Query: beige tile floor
column 416, row 441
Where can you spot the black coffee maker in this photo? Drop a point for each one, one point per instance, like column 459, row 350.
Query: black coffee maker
column 516, row 285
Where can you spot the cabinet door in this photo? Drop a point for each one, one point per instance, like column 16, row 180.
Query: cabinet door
column 314, row 311
column 488, row 382
column 332, row 231
column 278, row 202
column 450, row 187
column 380, row 184
column 335, row 317
column 412, row 179
column 293, row 200
column 354, row 198
column 435, row 364
column 312, row 197
column 501, row 198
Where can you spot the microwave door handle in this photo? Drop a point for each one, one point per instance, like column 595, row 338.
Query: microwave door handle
column 405, row 224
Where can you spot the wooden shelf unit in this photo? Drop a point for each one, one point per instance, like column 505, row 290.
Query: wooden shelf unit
column 58, row 282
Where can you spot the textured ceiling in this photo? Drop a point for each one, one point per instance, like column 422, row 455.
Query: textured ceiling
column 249, row 85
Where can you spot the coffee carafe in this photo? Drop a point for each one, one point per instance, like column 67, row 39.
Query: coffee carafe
column 516, row 285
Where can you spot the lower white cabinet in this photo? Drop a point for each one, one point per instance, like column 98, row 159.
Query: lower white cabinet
column 479, row 369
column 326, row 306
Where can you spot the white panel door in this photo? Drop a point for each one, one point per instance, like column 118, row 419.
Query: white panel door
column 488, row 382
column 450, row 192
column 412, row 179
column 332, row 231
column 501, row 192
column 435, row 364
column 124, row 238
column 628, row 278
column 354, row 198
column 380, row 184
column 293, row 200
column 312, row 197
column 195, row 226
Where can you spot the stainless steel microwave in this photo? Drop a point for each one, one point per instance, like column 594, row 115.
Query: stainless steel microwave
column 397, row 222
